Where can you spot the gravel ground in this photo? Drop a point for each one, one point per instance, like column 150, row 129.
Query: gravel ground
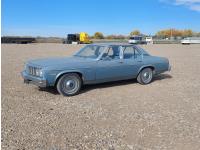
column 119, row 115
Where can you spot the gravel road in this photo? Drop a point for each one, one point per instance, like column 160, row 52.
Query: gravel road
column 116, row 116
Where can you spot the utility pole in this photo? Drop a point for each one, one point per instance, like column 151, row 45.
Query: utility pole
column 171, row 33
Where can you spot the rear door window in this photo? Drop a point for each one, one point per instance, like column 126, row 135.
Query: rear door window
column 130, row 52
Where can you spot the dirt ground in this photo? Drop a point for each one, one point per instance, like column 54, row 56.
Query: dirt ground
column 119, row 115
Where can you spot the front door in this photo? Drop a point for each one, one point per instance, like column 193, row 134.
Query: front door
column 110, row 67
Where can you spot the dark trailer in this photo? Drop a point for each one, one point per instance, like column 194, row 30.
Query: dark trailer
column 72, row 38
column 17, row 40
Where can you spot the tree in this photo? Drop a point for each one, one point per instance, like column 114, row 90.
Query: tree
column 175, row 33
column 187, row 33
column 161, row 34
column 197, row 34
column 135, row 32
column 98, row 35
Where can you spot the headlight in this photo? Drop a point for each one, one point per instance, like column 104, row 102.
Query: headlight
column 38, row 72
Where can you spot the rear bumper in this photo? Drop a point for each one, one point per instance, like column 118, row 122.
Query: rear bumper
column 28, row 79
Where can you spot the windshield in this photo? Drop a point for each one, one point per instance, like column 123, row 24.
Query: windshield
column 90, row 51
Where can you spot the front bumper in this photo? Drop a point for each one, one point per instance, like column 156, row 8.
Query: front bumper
column 33, row 80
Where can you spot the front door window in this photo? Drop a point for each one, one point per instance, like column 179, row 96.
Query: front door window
column 112, row 53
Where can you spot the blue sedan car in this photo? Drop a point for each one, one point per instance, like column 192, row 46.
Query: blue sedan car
column 95, row 63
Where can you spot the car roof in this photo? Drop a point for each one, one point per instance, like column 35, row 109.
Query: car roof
column 113, row 44
column 121, row 44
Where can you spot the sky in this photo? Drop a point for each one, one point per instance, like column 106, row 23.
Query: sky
column 60, row 17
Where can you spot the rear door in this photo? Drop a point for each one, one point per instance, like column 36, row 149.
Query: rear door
column 132, row 60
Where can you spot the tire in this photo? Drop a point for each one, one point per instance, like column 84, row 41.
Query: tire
column 69, row 84
column 145, row 76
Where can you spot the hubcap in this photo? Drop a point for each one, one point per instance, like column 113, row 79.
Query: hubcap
column 147, row 76
column 70, row 85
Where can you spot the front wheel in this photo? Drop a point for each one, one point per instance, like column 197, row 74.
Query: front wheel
column 145, row 76
column 69, row 84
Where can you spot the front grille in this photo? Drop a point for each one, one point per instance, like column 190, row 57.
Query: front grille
column 32, row 70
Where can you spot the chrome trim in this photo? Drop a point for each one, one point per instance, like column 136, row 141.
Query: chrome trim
column 34, row 80
column 32, row 70
column 169, row 68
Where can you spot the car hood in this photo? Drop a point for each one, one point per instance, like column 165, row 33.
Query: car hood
column 60, row 61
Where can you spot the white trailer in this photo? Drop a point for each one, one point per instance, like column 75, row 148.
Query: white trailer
column 191, row 40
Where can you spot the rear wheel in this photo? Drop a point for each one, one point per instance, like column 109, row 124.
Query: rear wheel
column 145, row 76
column 69, row 84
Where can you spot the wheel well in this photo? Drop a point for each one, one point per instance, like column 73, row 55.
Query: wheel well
column 80, row 75
column 153, row 68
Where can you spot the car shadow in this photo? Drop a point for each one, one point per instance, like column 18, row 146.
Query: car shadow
column 161, row 77
column 51, row 90
column 87, row 88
